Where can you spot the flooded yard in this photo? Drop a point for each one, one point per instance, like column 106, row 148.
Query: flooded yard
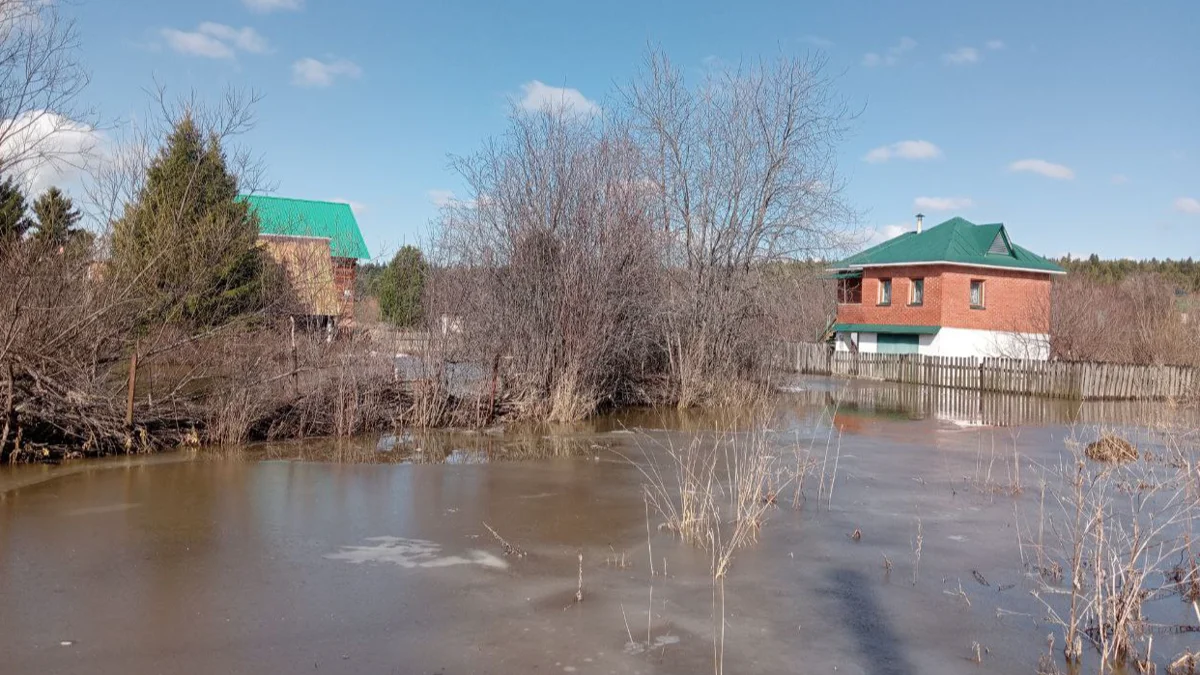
column 468, row 552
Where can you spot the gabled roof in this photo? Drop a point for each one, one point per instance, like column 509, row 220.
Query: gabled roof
column 307, row 218
column 956, row 241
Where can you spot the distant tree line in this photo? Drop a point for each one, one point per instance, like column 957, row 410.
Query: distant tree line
column 1184, row 274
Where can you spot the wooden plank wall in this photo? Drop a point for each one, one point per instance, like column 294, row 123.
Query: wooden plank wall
column 1054, row 379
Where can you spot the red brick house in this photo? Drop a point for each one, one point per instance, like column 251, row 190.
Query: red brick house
column 319, row 244
column 956, row 289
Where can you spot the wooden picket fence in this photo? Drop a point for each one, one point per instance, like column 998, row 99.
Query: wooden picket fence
column 1054, row 379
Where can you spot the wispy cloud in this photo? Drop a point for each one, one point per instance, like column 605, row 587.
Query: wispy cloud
column 310, row 72
column 892, row 56
column 537, row 95
column 995, row 45
column 963, row 56
column 1188, row 205
column 358, row 208
column 442, row 198
column 266, row 6
column 1044, row 168
column 942, row 203
column 1119, row 179
column 817, row 41
column 215, row 41
column 904, row 150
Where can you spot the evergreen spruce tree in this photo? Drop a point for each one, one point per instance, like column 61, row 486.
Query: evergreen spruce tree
column 56, row 218
column 401, row 286
column 186, row 241
column 14, row 219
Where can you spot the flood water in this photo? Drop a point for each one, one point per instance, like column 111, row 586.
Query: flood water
column 372, row 555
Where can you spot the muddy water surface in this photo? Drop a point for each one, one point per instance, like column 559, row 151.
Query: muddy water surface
column 373, row 556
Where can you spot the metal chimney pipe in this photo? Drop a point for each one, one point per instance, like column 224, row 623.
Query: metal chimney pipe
column 920, row 221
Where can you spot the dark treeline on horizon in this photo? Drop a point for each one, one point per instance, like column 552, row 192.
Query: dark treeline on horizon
column 1184, row 273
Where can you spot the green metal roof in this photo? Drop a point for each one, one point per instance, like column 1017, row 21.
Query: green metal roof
column 307, row 218
column 956, row 241
column 885, row 328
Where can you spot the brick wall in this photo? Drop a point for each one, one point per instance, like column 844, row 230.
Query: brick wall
column 344, row 272
column 1013, row 301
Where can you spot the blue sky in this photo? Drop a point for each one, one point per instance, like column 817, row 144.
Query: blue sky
column 1073, row 122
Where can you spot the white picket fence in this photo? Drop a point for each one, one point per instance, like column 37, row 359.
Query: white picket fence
column 1056, row 379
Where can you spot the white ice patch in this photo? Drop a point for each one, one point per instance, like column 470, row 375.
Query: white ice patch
column 413, row 553
column 661, row 641
column 957, row 537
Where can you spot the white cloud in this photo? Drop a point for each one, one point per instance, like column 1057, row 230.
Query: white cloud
column 442, row 198
column 310, row 72
column 885, row 232
column 246, row 39
column 1188, row 205
column 215, row 41
column 942, row 203
column 1044, row 168
column 537, row 95
column 43, row 148
column 196, row 44
column 963, row 56
column 904, row 150
column 995, row 45
column 265, row 6
column 892, row 56
column 1119, row 179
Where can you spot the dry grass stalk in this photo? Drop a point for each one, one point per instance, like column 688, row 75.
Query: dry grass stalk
column 1114, row 543
column 514, row 550
column 579, row 588
column 917, row 543
column 976, row 653
column 1187, row 663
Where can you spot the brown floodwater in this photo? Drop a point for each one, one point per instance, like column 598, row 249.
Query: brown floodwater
column 372, row 555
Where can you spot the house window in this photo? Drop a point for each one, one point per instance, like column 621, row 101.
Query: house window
column 850, row 291
column 917, row 295
column 977, row 296
column 885, row 291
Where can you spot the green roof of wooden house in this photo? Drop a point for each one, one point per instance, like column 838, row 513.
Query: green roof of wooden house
column 308, row 218
column 957, row 241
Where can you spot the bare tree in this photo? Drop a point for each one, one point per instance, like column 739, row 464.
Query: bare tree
column 743, row 172
column 556, row 263
column 1133, row 321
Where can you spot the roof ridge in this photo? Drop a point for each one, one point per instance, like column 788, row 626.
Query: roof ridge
column 298, row 199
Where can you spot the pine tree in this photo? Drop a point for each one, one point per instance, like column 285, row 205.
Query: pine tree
column 187, row 240
column 14, row 219
column 401, row 286
column 56, row 218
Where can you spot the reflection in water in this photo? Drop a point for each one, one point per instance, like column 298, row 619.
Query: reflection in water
column 857, row 399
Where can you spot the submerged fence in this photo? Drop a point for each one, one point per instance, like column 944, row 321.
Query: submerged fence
column 1056, row 379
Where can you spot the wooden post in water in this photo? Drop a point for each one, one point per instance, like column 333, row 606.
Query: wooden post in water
column 133, row 359
column 295, row 381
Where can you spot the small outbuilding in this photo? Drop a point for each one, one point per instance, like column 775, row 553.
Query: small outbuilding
column 319, row 244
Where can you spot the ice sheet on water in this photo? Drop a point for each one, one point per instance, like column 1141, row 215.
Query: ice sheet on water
column 413, row 553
